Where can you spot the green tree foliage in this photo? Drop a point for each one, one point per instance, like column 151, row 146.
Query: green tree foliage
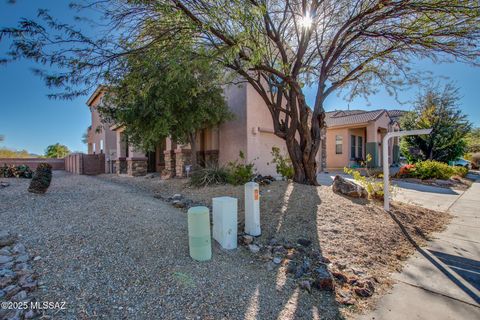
column 437, row 109
column 278, row 47
column 166, row 95
column 57, row 151
column 473, row 140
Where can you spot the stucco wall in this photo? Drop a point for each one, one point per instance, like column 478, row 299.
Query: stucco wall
column 233, row 134
column 335, row 160
column 101, row 132
column 260, row 136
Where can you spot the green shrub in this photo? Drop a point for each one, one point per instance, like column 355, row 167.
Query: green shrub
column 210, row 175
column 41, row 178
column 460, row 171
column 373, row 186
column 12, row 171
column 240, row 172
column 431, row 169
column 283, row 164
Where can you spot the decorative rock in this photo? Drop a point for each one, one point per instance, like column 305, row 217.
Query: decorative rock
column 323, row 279
column 363, row 292
column 18, row 248
column 340, row 276
column 279, row 250
column 178, row 204
column 177, row 196
column 20, row 296
column 37, row 258
column 271, row 266
column 304, row 242
column 22, row 258
column 5, row 252
column 5, row 259
column 306, row 285
column 2, row 294
column 6, row 238
column 253, row 248
column 6, row 273
column 247, row 239
column 30, row 285
column 30, row 314
column 4, row 184
column 5, row 281
column 277, row 260
column 348, row 188
column 11, row 290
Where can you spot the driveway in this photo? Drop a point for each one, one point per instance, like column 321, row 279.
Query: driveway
column 442, row 280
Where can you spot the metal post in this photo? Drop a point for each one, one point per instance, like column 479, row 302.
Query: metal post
column 386, row 169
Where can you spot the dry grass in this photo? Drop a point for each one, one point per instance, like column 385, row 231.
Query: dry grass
column 354, row 234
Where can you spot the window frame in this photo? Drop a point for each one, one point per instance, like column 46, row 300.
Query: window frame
column 338, row 142
column 353, row 146
column 359, row 147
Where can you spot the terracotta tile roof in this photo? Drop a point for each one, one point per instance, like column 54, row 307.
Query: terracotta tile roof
column 347, row 117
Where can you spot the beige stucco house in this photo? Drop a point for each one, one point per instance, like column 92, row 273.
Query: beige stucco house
column 350, row 136
column 353, row 134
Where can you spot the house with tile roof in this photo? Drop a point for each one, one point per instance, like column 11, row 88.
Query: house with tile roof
column 353, row 134
column 350, row 136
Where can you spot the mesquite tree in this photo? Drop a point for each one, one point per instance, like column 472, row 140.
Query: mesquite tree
column 277, row 46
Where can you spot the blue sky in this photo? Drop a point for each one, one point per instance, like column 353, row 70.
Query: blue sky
column 29, row 120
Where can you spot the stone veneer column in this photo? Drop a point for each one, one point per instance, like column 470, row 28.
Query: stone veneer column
column 182, row 158
column 121, row 165
column 137, row 166
column 169, row 171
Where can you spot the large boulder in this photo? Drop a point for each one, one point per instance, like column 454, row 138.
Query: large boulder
column 348, row 188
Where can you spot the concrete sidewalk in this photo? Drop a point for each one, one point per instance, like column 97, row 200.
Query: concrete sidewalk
column 442, row 280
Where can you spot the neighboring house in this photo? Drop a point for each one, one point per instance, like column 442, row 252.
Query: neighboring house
column 100, row 138
column 353, row 134
column 350, row 136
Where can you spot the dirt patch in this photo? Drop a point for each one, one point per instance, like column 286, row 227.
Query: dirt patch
column 356, row 236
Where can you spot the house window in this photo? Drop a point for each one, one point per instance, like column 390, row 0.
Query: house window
column 338, row 144
column 353, row 146
column 360, row 148
column 101, row 146
column 94, row 148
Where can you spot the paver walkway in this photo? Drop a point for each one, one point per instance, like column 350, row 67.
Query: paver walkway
column 442, row 280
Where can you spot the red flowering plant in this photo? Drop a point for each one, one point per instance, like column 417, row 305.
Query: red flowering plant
column 406, row 171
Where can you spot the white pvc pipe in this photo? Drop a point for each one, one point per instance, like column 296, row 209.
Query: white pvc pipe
column 386, row 169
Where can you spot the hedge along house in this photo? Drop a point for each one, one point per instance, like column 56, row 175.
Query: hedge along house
column 353, row 134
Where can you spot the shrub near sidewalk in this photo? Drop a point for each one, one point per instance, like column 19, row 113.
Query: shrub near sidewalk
column 41, row 178
column 431, row 170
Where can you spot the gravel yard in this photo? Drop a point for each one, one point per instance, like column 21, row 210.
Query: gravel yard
column 112, row 251
column 357, row 236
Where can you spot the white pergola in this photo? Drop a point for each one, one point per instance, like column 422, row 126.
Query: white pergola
column 386, row 167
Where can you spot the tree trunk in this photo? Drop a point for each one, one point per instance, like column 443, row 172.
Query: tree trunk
column 193, row 148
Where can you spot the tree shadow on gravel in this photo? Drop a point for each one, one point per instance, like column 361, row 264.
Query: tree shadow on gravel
column 294, row 218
